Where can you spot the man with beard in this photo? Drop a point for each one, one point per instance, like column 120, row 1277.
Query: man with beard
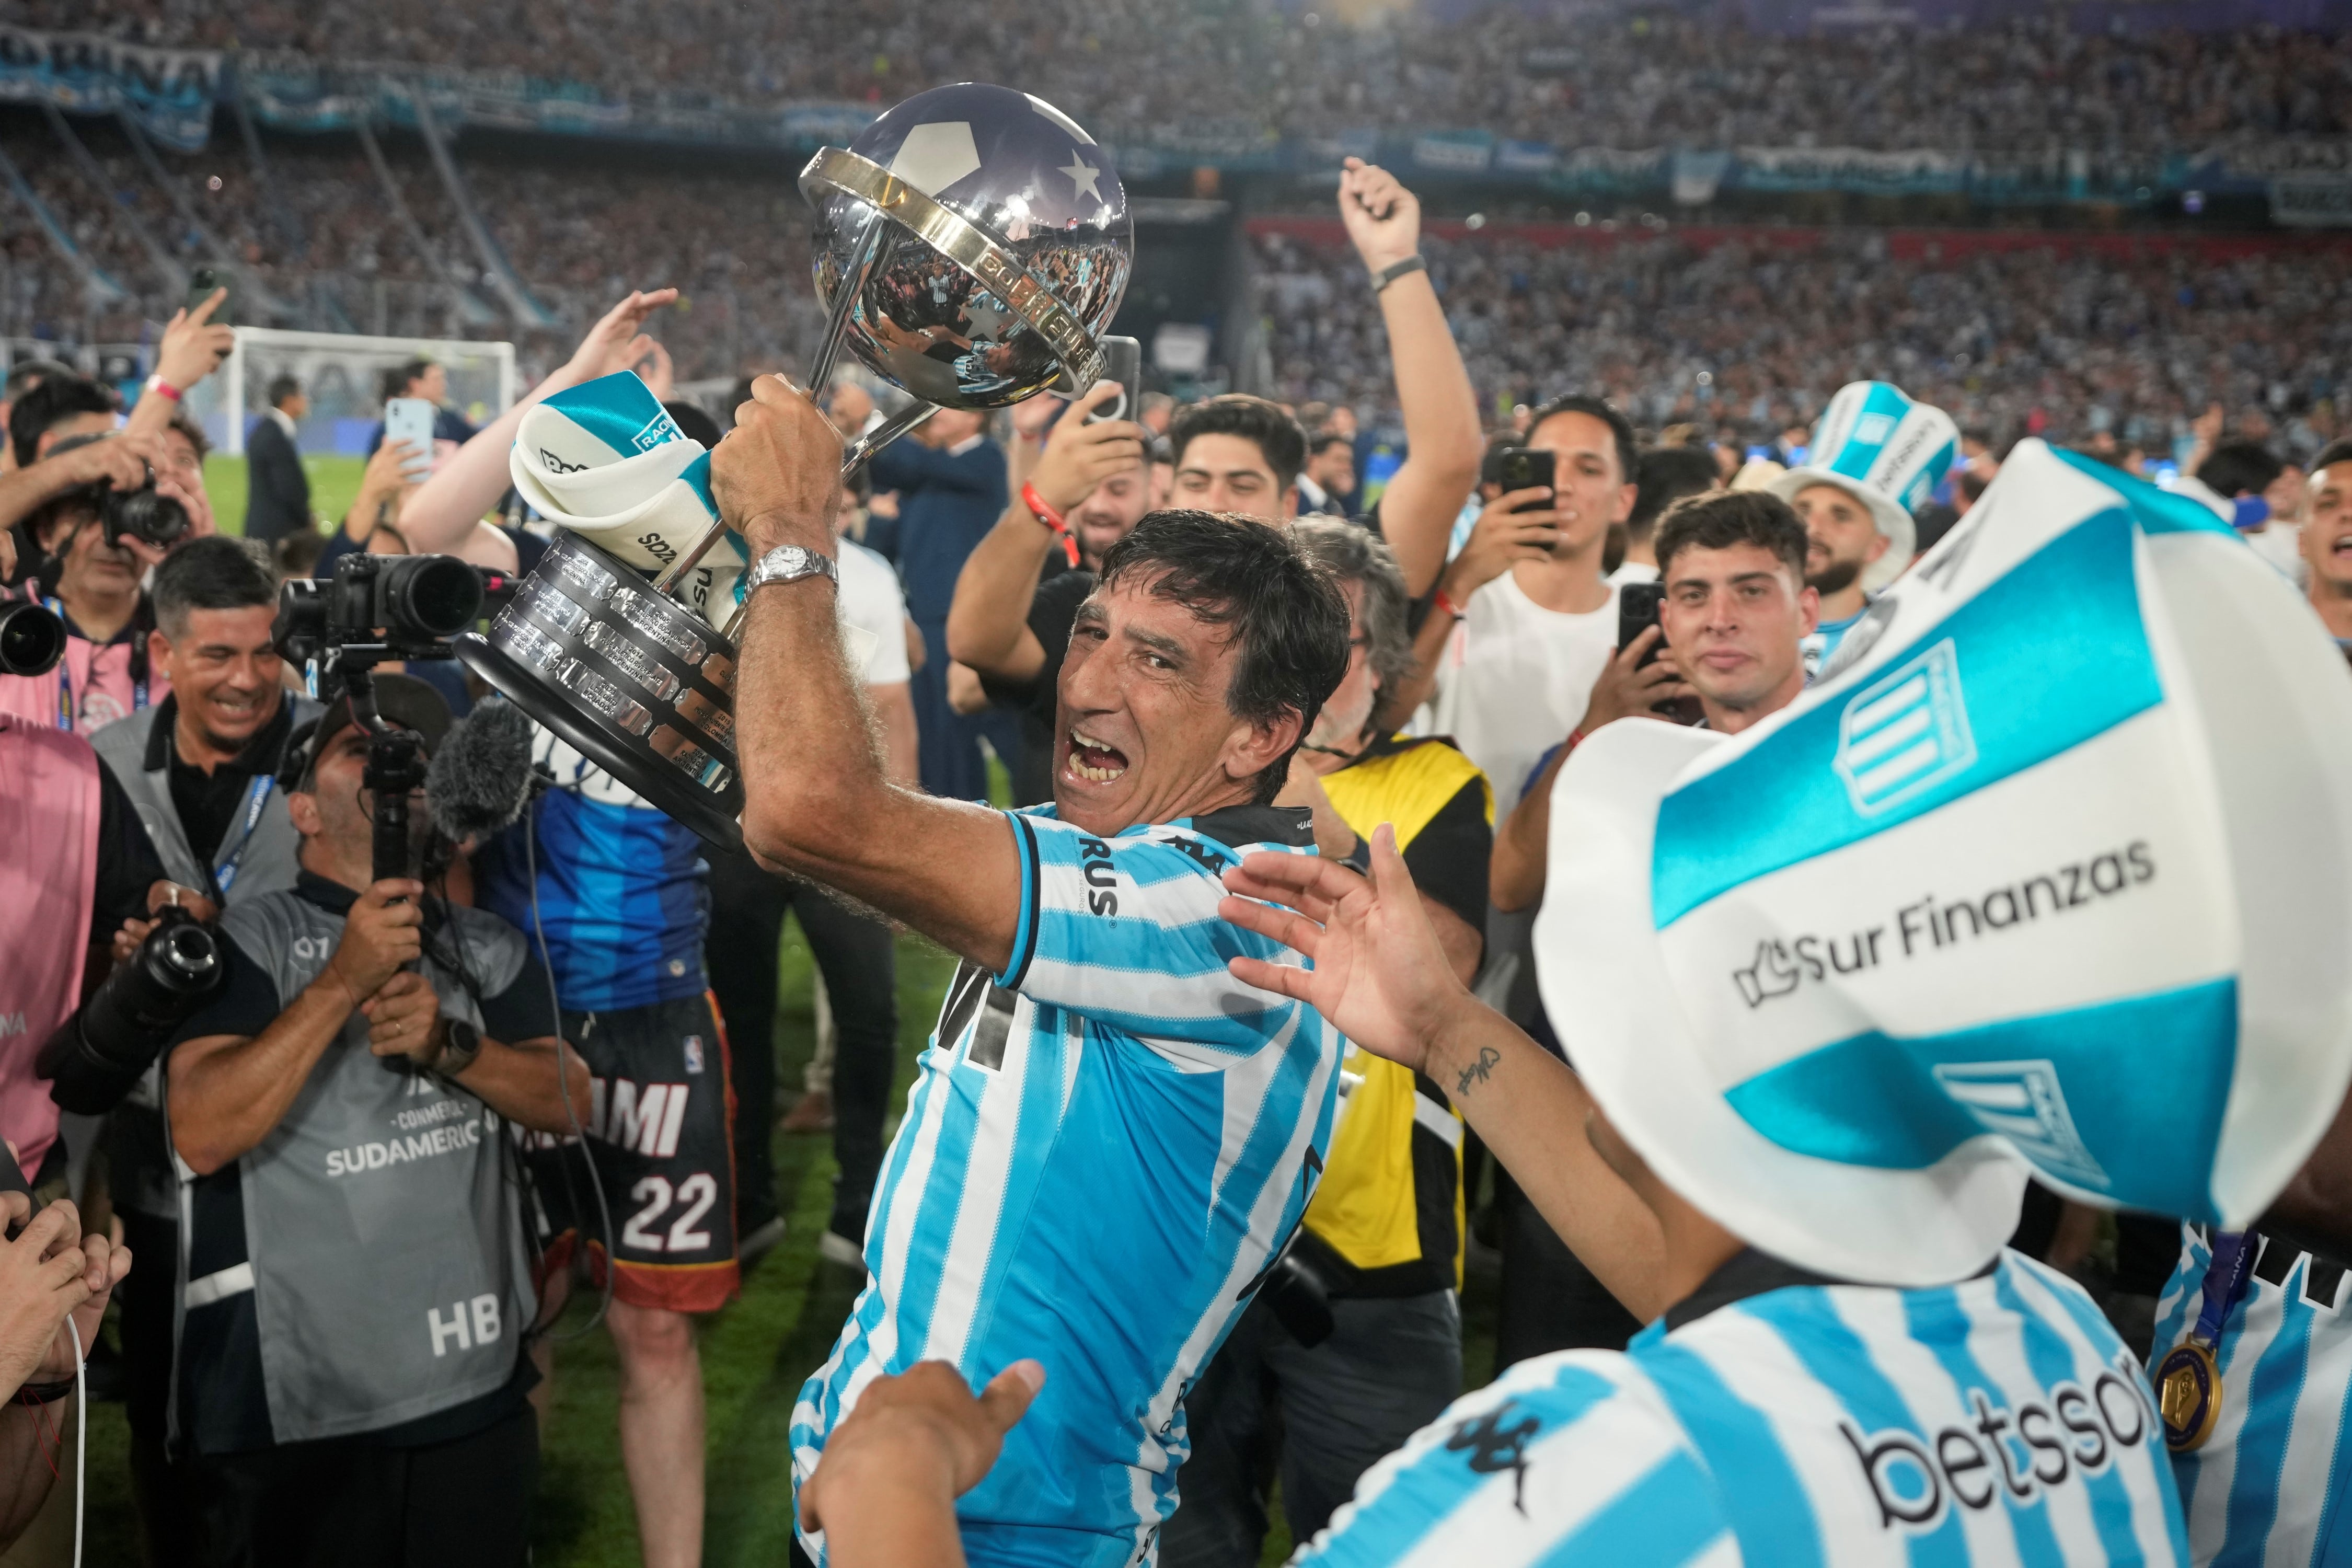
column 1382, row 1241
column 1877, row 456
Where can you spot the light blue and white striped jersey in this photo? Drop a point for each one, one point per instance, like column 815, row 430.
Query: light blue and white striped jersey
column 1998, row 1421
column 2267, row 1484
column 1103, row 1149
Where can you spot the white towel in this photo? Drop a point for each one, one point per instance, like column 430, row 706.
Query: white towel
column 605, row 460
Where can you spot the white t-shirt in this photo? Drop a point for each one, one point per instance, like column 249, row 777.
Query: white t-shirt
column 1515, row 678
column 871, row 600
column 1633, row 572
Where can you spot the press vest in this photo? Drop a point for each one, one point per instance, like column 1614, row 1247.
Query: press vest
column 383, row 1238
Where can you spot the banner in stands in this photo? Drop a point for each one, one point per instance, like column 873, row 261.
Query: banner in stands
column 2312, row 201
column 170, row 91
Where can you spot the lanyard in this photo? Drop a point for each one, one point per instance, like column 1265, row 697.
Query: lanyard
column 69, row 710
column 225, row 874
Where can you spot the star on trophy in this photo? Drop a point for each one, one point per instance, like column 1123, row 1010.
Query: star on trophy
column 971, row 246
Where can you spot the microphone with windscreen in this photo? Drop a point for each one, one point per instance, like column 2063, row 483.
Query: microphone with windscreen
column 482, row 776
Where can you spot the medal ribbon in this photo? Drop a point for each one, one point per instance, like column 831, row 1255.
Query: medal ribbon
column 2225, row 1282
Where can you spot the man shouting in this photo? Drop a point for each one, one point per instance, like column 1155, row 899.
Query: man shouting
column 1110, row 1138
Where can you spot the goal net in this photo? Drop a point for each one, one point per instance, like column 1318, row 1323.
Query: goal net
column 343, row 375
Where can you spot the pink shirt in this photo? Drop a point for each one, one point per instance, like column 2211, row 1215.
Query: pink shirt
column 92, row 684
column 48, row 882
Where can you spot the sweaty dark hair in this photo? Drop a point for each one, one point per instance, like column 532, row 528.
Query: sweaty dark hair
column 2235, row 468
column 2336, row 451
column 58, row 399
column 1735, row 517
column 1275, row 433
column 1285, row 617
column 215, row 572
column 1629, row 446
column 1668, row 475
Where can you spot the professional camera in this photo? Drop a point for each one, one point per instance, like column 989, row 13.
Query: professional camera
column 145, row 514
column 32, row 637
column 379, row 608
column 96, row 1056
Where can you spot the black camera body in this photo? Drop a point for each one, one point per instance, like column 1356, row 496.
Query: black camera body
column 379, row 608
column 146, row 514
column 95, row 1056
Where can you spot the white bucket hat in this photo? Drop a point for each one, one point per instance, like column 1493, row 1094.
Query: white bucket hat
column 605, row 460
column 1887, row 452
column 2050, row 872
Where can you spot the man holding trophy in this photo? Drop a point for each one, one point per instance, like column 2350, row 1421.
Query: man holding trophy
column 1111, row 1139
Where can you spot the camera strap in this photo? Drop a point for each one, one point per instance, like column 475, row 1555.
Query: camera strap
column 225, row 873
column 68, row 705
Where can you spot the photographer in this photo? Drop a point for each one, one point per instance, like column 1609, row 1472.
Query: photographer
column 354, row 1390
column 84, row 508
column 200, row 767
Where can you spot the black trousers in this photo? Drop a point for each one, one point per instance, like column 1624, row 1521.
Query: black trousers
column 859, row 962
column 1550, row 1301
column 352, row 1503
column 1319, row 1417
column 145, row 1301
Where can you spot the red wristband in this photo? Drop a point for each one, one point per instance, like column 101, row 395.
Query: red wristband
column 1051, row 519
column 1440, row 601
column 156, row 383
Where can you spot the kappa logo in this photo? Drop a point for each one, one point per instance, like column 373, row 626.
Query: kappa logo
column 1906, row 732
column 658, row 431
column 2021, row 1101
column 1494, row 1447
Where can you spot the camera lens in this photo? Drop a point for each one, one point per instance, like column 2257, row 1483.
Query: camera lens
column 32, row 640
column 146, row 513
column 190, row 954
column 431, row 596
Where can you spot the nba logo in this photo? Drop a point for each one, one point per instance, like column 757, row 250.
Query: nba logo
column 694, row 1053
column 1906, row 734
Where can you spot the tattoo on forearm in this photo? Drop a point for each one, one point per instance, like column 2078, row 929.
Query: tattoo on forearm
column 1487, row 1056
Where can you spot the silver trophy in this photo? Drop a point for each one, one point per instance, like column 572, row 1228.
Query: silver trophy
column 971, row 246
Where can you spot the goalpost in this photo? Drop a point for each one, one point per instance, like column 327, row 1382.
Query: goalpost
column 343, row 375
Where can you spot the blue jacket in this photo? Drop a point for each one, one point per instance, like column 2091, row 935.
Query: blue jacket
column 947, row 503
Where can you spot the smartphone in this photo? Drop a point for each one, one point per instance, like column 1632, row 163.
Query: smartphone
column 1637, row 612
column 205, row 282
column 1122, row 363
column 409, row 419
column 1518, row 468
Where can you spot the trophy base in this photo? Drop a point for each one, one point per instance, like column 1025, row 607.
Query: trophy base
column 711, row 813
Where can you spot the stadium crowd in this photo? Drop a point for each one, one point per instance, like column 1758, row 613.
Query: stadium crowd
column 1189, row 1219
column 2027, row 339
column 1561, row 74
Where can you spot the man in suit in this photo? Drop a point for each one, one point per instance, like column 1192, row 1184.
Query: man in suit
column 278, row 497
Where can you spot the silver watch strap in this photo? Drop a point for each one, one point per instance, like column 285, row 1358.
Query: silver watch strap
column 791, row 563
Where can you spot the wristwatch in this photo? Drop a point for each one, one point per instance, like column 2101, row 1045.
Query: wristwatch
column 789, row 564
column 461, row 1044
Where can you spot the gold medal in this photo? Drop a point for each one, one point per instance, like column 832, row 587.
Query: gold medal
column 2188, row 1396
